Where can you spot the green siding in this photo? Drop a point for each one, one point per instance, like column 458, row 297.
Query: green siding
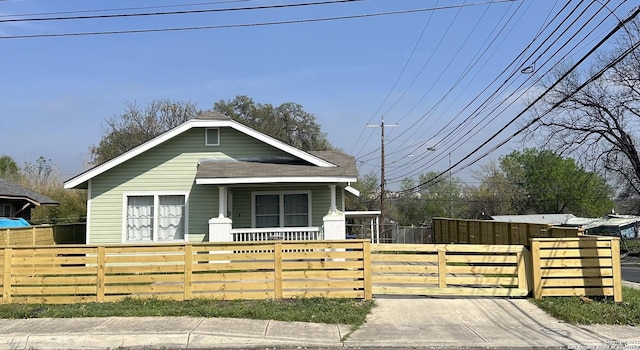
column 170, row 166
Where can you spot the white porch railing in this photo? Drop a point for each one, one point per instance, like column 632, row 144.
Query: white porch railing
column 277, row 233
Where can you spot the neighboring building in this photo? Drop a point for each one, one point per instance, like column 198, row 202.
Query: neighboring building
column 17, row 201
column 214, row 179
column 551, row 219
column 610, row 225
column 625, row 226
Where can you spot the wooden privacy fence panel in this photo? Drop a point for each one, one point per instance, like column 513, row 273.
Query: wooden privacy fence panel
column 34, row 235
column 72, row 274
column 44, row 235
column 70, row 233
column 447, row 269
column 585, row 265
column 447, row 231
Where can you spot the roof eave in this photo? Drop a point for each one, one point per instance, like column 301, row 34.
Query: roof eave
column 274, row 179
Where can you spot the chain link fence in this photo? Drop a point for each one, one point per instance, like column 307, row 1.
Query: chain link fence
column 391, row 233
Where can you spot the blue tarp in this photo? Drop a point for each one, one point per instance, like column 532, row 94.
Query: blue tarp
column 8, row 223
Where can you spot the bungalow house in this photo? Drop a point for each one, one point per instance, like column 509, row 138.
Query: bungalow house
column 17, row 201
column 214, row 179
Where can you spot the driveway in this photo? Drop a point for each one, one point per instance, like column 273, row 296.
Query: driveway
column 471, row 322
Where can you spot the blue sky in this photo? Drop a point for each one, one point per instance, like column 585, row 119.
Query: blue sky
column 58, row 91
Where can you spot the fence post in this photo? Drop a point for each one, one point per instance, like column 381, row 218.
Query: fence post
column 277, row 269
column 536, row 270
column 6, row 276
column 522, row 271
column 366, row 265
column 7, row 238
column 442, row 267
column 188, row 271
column 33, row 235
column 617, row 271
column 100, row 282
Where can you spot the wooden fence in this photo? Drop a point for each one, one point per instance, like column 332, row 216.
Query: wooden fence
column 495, row 232
column 43, row 235
column 463, row 270
column 34, row 235
column 586, row 265
column 583, row 265
column 263, row 270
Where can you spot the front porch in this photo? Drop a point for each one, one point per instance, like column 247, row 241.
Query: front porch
column 243, row 215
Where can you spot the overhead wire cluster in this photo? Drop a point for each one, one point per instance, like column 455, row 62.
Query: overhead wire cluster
column 569, row 29
column 76, row 15
column 438, row 115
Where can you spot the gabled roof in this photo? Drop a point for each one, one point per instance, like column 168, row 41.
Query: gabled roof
column 206, row 120
column 233, row 171
column 10, row 190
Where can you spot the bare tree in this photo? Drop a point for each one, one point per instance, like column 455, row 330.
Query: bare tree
column 599, row 124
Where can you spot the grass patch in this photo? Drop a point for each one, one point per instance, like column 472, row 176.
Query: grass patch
column 318, row 310
column 598, row 311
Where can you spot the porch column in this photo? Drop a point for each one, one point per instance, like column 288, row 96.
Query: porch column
column 334, row 223
column 220, row 227
column 332, row 208
column 222, row 201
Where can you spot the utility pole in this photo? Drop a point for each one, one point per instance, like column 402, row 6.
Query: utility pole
column 382, row 180
column 450, row 190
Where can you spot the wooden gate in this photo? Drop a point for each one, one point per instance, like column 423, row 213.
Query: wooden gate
column 449, row 269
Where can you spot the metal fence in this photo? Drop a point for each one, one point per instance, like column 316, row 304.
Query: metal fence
column 395, row 234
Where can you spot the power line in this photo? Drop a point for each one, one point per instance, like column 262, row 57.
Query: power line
column 476, row 59
column 245, row 25
column 491, row 96
column 184, row 12
column 422, row 120
column 122, row 8
column 549, row 89
column 508, row 97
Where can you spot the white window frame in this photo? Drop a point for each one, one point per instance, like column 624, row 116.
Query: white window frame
column 156, row 207
column 206, row 137
column 281, row 195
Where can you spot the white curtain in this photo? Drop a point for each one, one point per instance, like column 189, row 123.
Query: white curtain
column 139, row 218
column 171, row 218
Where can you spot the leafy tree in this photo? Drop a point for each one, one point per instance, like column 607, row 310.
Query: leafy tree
column 72, row 207
column 549, row 183
column 600, row 123
column 369, row 196
column 289, row 122
column 138, row 125
column 441, row 197
column 496, row 194
column 9, row 169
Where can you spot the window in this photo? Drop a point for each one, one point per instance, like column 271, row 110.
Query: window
column 212, row 137
column 155, row 218
column 282, row 209
column 6, row 211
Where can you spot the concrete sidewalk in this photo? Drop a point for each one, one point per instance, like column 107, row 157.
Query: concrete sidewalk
column 395, row 322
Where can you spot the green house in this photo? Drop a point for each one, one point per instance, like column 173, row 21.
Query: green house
column 214, row 179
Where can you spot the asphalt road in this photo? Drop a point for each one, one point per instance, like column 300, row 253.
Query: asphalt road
column 631, row 269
